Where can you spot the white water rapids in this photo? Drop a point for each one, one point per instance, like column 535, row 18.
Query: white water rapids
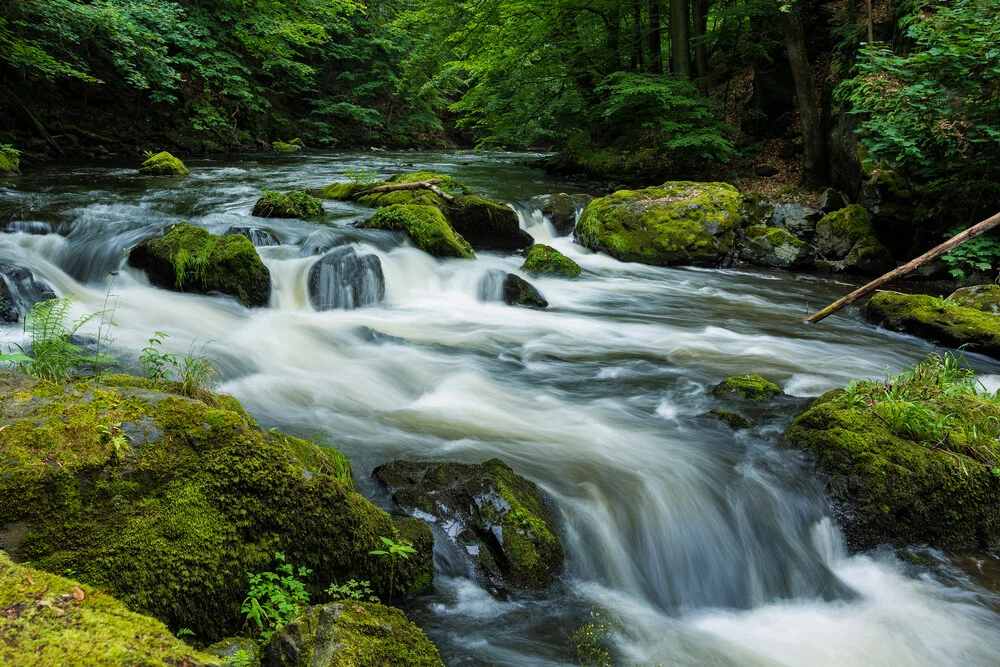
column 707, row 547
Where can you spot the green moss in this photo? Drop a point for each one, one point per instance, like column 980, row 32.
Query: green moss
column 851, row 222
column 676, row 223
column 869, row 257
column 190, row 259
column 933, row 319
column 545, row 260
column 168, row 502
column 774, row 236
column 48, row 620
column 450, row 185
column 980, row 297
column 747, row 387
column 339, row 191
column 421, row 197
column 286, row 147
column 315, row 458
column 9, row 164
column 163, row 164
column 425, row 225
column 297, row 204
column 733, row 420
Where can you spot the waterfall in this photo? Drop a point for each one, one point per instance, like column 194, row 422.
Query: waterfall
column 342, row 278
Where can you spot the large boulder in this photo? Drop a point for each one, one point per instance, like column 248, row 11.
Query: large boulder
column 296, row 204
column 168, row 501
column 49, row 620
column 190, row 259
column 421, row 196
column 163, row 164
column 561, row 209
column 936, row 320
column 487, row 225
column 345, row 279
column 845, row 237
column 776, row 248
column 543, row 260
column 500, row 519
column 19, row 291
column 350, row 634
column 677, row 223
column 425, row 225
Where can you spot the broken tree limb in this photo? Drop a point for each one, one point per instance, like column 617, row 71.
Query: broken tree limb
column 895, row 274
column 430, row 184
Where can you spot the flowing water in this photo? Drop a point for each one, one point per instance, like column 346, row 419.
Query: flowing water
column 707, row 547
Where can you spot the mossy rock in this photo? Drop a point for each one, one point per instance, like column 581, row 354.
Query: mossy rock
column 543, row 260
column 190, row 259
column 287, row 146
column 236, row 652
column 168, row 502
column 339, row 191
column 936, row 320
column 869, row 257
column 9, row 164
column 775, row 248
column 847, row 235
column 677, row 223
column 502, row 522
column 733, row 420
column 421, row 197
column 163, row 164
column 747, row 387
column 425, row 225
column 755, row 211
column 887, row 488
column 48, row 620
column 350, row 634
column 980, row 297
column 297, row 204
column 516, row 291
column 561, row 208
column 487, row 225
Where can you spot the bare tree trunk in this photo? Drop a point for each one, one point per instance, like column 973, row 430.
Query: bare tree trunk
column 895, row 274
column 637, row 35
column 805, row 93
column 431, row 184
column 655, row 38
column 680, row 40
column 700, row 31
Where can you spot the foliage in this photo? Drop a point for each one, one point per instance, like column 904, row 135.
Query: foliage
column 12, row 153
column 194, row 373
column 361, row 178
column 981, row 253
column 395, row 551
column 590, row 641
column 275, row 598
column 352, row 590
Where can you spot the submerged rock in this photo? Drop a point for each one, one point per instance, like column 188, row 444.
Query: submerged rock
column 163, row 164
column 425, row 225
column 776, row 248
column 499, row 518
column 936, row 320
column 981, row 297
column 487, row 225
column 345, row 279
column 258, row 236
column 747, row 387
column 48, row 620
column 354, row 634
column 19, row 291
column 847, row 235
column 297, row 204
column 167, row 501
column 190, row 259
column 543, row 260
column 733, row 420
column 517, row 291
column 682, row 223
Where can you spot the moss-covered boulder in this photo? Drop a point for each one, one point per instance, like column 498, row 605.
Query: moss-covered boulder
column 747, row 388
column 733, row 420
column 487, row 225
column 936, row 320
column 48, row 620
column 163, row 164
column 350, row 634
column 561, row 210
column 236, row 652
column 677, row 223
column 292, row 146
column 980, row 297
column 500, row 519
column 776, row 248
column 9, row 164
column 516, row 291
column 420, row 196
column 543, row 260
column 425, row 225
column 191, row 259
column 297, row 204
column 167, row 501
column 846, row 236
column 339, row 191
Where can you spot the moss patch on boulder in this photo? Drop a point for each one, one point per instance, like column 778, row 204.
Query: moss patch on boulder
column 425, row 225
column 677, row 223
column 936, row 320
column 287, row 146
column 543, row 260
column 746, row 387
column 502, row 519
column 163, row 164
column 487, row 225
column 776, row 248
column 733, row 420
column 847, row 235
column 980, row 297
column 297, row 204
column 168, row 502
column 47, row 620
column 190, row 259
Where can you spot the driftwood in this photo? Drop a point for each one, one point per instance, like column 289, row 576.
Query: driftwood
column 430, row 184
column 895, row 274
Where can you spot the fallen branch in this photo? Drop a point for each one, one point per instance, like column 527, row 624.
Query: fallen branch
column 895, row 274
column 430, row 184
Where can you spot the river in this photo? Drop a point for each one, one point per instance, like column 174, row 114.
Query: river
column 707, row 547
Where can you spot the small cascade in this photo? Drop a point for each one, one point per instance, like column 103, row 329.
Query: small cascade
column 19, row 291
column 531, row 219
column 259, row 236
column 490, row 287
column 345, row 279
column 34, row 227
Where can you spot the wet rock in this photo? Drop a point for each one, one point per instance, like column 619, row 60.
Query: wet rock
column 980, row 297
column 519, row 292
column 236, row 652
column 561, row 209
column 796, row 219
column 678, row 223
column 350, row 634
column 543, row 260
column 163, row 164
column 426, row 226
column 487, row 225
column 755, row 210
column 19, row 291
column 847, row 235
column 747, row 387
column 733, row 420
column 776, row 248
column 292, row 146
column 499, row 518
column 832, row 200
column 345, row 279
column 297, row 204
column 258, row 236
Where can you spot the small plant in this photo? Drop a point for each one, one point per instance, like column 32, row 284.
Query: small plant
column 352, row 590
column 362, row 178
column 146, row 155
column 54, row 356
column 274, row 598
column 194, row 372
column 242, row 658
column 184, row 632
column 396, row 551
column 590, row 641
column 12, row 153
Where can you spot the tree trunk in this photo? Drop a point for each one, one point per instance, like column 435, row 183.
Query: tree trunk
column 655, row 47
column 895, row 274
column 680, row 40
column 700, row 31
column 431, row 184
column 871, row 25
column 636, row 35
column 805, row 93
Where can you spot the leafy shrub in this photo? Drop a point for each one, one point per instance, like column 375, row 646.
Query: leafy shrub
column 981, row 253
column 275, row 598
column 195, row 373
